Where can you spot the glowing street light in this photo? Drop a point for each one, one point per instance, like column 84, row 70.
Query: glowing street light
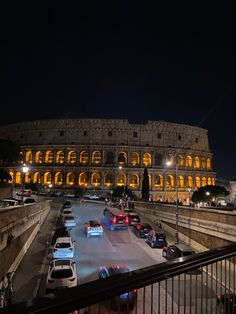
column 25, row 169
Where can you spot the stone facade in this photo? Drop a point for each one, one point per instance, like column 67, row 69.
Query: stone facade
column 99, row 154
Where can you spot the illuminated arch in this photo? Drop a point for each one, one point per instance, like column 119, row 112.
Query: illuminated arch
column 18, row 177
column 204, row 181
column 39, row 157
column 181, row 182
column 29, row 157
column 84, row 157
column 36, row 177
column 47, row 178
column 180, row 161
column 11, row 173
column 134, row 159
column 150, row 180
column 203, row 163
column 108, row 179
column 96, row 157
column 58, row 178
column 170, row 181
column 70, row 178
column 189, row 181
column 49, row 157
column 134, row 180
column 147, row 159
column 213, row 181
column 208, row 163
column 121, row 179
column 122, row 158
column 209, row 182
column 196, row 162
column 71, row 157
column 60, row 158
column 21, row 158
column 83, row 179
column 189, row 161
column 158, row 181
column 197, row 182
column 96, row 179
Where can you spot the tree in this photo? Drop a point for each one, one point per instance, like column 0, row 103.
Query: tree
column 4, row 175
column 145, row 185
column 208, row 192
column 9, row 152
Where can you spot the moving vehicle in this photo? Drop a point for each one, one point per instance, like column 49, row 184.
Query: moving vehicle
column 114, row 219
column 92, row 196
column 107, row 271
column 69, row 221
column 26, row 192
column 227, row 303
column 141, row 230
column 63, row 248
column 157, row 238
column 177, row 250
column 11, row 202
column 61, row 274
column 132, row 219
column 93, row 227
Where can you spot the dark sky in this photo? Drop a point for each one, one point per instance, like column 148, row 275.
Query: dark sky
column 134, row 61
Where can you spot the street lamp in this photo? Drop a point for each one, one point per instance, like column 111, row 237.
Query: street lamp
column 25, row 169
column 169, row 163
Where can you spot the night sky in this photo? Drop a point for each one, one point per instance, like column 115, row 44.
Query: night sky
column 132, row 61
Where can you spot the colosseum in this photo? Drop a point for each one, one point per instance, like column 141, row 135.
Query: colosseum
column 99, row 154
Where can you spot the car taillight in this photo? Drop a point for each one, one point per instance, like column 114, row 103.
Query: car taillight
column 72, row 279
column 139, row 227
column 50, row 280
column 126, row 220
column 89, row 228
column 114, row 220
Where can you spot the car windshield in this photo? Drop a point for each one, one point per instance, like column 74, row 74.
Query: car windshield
column 62, row 273
column 69, row 218
column 94, row 224
column 188, row 253
column 63, row 245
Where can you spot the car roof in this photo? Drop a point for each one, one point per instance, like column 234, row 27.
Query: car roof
column 94, row 222
column 183, row 247
column 115, row 269
column 133, row 214
column 63, row 239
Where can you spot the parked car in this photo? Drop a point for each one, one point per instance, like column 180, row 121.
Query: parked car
column 69, row 221
column 93, row 227
column 29, row 201
column 61, row 274
column 157, row 238
column 60, row 233
column 66, row 212
column 124, row 299
column 67, row 204
column 141, row 230
column 227, row 303
column 132, row 219
column 63, row 248
column 177, row 250
column 92, row 196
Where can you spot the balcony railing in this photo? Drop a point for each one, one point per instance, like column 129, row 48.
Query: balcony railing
column 190, row 284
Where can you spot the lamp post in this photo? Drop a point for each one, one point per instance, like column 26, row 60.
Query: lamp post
column 25, row 169
column 169, row 163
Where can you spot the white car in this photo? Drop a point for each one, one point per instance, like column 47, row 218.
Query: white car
column 69, row 221
column 66, row 212
column 63, row 248
column 93, row 227
column 61, row 274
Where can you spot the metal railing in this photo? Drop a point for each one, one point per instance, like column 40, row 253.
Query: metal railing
column 190, row 284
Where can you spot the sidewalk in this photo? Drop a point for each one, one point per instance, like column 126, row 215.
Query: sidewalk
column 27, row 278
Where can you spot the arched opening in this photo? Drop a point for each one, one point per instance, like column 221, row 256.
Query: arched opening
column 49, row 157
column 36, row 177
column 83, row 179
column 158, row 159
column 189, row 161
column 158, row 181
column 134, row 180
column 60, row 157
column 96, row 157
column 27, row 177
column 110, row 157
column 204, row 182
column 29, row 157
column 38, row 157
column 18, row 177
column 170, row 181
column 70, row 178
column 213, row 181
column 121, row 179
column 209, row 181
column 208, row 163
column 108, row 179
column 203, row 163
column 197, row 182
column 84, row 157
column 11, row 173
column 134, row 159
column 196, row 162
column 122, row 158
column 147, row 159
column 47, row 178
column 58, row 178
column 181, row 182
column 150, row 180
column 180, row 161
column 96, row 179
column 71, row 157
column 189, row 182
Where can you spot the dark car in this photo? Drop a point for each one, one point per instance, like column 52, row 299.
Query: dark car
column 227, row 303
column 156, row 238
column 60, row 233
column 177, row 250
column 67, row 204
column 29, row 200
column 127, row 298
column 142, row 230
column 132, row 219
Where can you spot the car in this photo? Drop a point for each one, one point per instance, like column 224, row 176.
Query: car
column 93, row 227
column 26, row 192
column 141, row 230
column 61, row 274
column 92, row 196
column 227, row 303
column 11, row 202
column 66, row 212
column 67, row 204
column 177, row 250
column 63, row 248
column 4, row 204
column 69, row 221
column 156, row 238
column 132, row 219
column 29, row 201
column 106, row 271
column 60, row 233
